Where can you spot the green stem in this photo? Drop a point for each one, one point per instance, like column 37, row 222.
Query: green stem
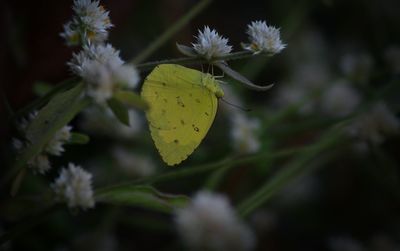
column 295, row 168
column 171, row 31
column 186, row 172
column 195, row 60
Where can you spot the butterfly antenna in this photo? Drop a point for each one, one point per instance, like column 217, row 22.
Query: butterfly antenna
column 236, row 106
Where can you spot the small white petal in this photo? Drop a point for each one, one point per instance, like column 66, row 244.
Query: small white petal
column 90, row 22
column 133, row 164
column 243, row 134
column 102, row 69
column 210, row 223
column 374, row 125
column 40, row 164
column 55, row 145
column 74, row 185
column 211, row 45
column 340, row 99
column 264, row 38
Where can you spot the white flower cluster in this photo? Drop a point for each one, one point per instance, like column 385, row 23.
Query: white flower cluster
column 89, row 25
column 133, row 164
column 211, row 45
column 210, row 223
column 264, row 38
column 55, row 146
column 340, row 99
column 374, row 125
column 244, row 133
column 103, row 70
column 100, row 120
column 74, row 186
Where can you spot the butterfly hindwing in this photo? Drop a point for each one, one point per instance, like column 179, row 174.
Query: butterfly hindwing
column 181, row 110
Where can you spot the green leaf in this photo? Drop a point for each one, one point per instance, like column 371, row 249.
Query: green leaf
column 61, row 109
column 42, row 88
column 119, row 109
column 130, row 98
column 78, row 138
column 142, row 196
column 38, row 103
column 186, row 50
column 239, row 77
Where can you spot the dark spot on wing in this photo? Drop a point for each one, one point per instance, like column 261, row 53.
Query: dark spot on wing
column 195, row 128
column 197, row 100
column 206, row 113
column 179, row 101
column 165, row 100
column 176, row 141
column 182, row 122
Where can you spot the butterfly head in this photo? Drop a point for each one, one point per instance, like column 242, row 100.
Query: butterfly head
column 211, row 83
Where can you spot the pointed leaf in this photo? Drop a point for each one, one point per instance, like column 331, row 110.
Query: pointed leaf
column 119, row 109
column 78, row 139
column 239, row 77
column 41, row 88
column 61, row 109
column 130, row 98
column 142, row 196
column 186, row 50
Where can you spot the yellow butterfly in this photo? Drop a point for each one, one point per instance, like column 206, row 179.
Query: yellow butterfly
column 183, row 103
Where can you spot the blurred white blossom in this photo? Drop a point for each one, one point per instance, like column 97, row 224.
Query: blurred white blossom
column 211, row 45
column 133, row 164
column 244, row 133
column 340, row 99
column 357, row 66
column 89, row 25
column 40, row 163
column 342, row 243
column 264, row 38
column 55, row 146
column 103, row 70
column 74, row 186
column 374, row 125
column 101, row 120
column 392, row 58
column 209, row 223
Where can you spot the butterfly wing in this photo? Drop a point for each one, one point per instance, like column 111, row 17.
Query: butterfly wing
column 181, row 110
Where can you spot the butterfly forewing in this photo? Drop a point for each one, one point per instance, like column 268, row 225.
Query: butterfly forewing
column 181, row 110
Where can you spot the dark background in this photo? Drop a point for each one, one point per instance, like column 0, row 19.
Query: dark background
column 353, row 203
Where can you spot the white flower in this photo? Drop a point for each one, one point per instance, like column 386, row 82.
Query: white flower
column 71, row 34
column 264, row 38
column 103, row 70
column 74, row 185
column 55, row 145
column 40, row 164
column 211, row 45
column 342, row 243
column 340, row 99
column 244, row 133
column 210, row 223
column 133, row 164
column 374, row 125
column 357, row 66
column 90, row 23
